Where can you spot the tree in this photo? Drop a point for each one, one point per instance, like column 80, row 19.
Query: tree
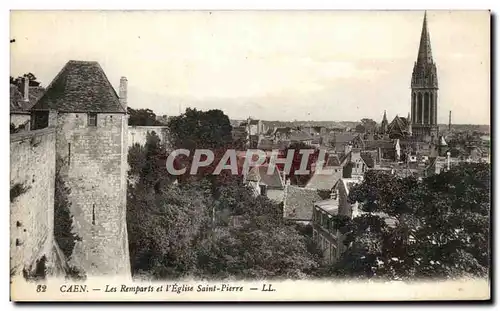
column 257, row 249
column 197, row 129
column 383, row 192
column 366, row 126
column 453, row 209
column 365, row 255
column 369, row 125
column 136, row 159
column 360, row 128
column 63, row 220
column 439, row 226
column 163, row 230
column 142, row 117
column 163, row 220
column 31, row 78
column 63, row 223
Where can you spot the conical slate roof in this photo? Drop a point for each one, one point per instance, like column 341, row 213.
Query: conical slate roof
column 424, row 50
column 81, row 86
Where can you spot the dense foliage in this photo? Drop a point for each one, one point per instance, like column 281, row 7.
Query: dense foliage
column 197, row 129
column 366, row 126
column 31, row 78
column 63, row 220
column 435, row 228
column 142, row 117
column 205, row 227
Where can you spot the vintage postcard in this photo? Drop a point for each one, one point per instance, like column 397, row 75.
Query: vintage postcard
column 250, row 155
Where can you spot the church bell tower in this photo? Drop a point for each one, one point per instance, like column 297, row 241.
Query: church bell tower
column 424, row 90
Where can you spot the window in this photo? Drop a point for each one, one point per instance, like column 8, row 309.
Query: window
column 39, row 120
column 93, row 214
column 92, row 119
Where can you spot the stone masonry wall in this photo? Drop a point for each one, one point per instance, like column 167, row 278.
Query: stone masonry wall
column 32, row 165
column 18, row 119
column 138, row 134
column 93, row 166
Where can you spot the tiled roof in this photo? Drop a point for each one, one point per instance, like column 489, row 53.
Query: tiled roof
column 345, row 158
column 384, row 144
column 326, row 180
column 300, row 136
column 313, row 129
column 299, row 202
column 331, row 206
column 17, row 104
column 259, row 174
column 283, row 130
column 81, row 86
column 333, row 160
column 367, row 157
column 15, row 99
column 343, row 137
column 276, row 195
column 266, row 144
column 398, row 124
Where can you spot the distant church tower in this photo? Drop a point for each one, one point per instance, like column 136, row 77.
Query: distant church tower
column 424, row 90
column 384, row 124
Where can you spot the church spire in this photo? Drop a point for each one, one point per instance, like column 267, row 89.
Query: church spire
column 424, row 50
column 424, row 89
column 384, row 125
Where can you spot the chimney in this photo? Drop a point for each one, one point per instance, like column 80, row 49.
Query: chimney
column 283, row 176
column 122, row 93
column 347, row 148
column 26, row 89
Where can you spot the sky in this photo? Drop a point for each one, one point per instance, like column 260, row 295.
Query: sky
column 271, row 65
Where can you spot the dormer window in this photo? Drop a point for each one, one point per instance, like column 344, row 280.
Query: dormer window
column 92, row 119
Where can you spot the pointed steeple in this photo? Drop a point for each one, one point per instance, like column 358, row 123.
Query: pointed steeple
column 424, row 88
column 424, row 50
column 384, row 125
